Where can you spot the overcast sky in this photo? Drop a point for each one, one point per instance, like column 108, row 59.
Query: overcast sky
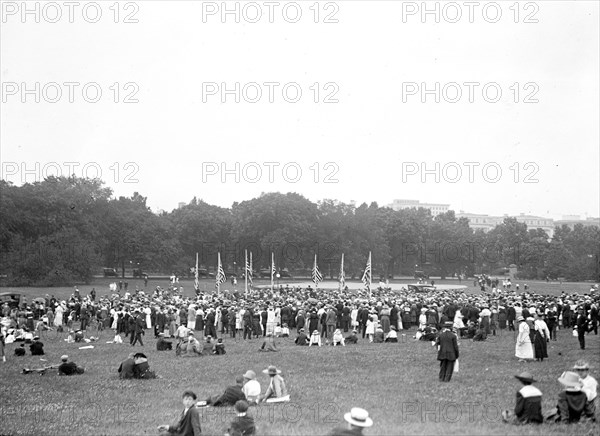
column 372, row 144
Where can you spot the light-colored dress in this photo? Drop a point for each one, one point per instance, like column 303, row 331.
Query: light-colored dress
column 523, row 348
column 58, row 319
column 458, row 320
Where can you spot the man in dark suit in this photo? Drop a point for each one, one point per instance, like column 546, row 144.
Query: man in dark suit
column 447, row 352
column 189, row 422
column 230, row 397
column 511, row 316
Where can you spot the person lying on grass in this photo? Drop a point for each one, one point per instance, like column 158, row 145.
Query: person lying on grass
column 69, row 368
column 231, row 395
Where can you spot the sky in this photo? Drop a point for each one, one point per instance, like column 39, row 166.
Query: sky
column 492, row 109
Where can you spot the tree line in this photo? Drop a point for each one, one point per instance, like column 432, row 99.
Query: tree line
column 64, row 230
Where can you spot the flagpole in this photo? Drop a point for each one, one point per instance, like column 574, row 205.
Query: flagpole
column 218, row 276
column 196, row 281
column 245, row 270
column 314, row 273
column 250, row 269
column 272, row 268
column 370, row 275
column 342, row 273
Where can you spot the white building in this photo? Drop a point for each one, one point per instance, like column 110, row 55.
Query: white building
column 434, row 208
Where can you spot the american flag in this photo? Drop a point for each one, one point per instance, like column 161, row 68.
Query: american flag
column 316, row 274
column 196, row 281
column 220, row 273
column 342, row 275
column 366, row 278
column 249, row 270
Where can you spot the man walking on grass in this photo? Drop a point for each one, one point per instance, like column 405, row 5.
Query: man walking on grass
column 447, row 352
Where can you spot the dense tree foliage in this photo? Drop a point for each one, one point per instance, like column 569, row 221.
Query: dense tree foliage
column 64, row 230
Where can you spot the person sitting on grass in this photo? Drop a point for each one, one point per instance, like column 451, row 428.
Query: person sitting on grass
column 126, row 367
column 315, row 339
column 189, row 423
column 357, row 420
column 528, row 408
column 301, row 339
column 276, row 392
column 590, row 387
column 480, row 334
column 162, row 344
column 268, row 343
column 37, row 347
column 251, row 387
column 338, row 338
column 231, row 395
column 219, row 347
column 189, row 348
column 285, row 331
column 392, row 336
column 69, row 368
column 20, row 351
column 242, row 424
column 207, row 348
column 141, row 369
column 352, row 338
column 572, row 400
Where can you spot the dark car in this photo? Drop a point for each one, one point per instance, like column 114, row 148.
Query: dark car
column 284, row 272
column 13, row 299
column 421, row 275
column 110, row 272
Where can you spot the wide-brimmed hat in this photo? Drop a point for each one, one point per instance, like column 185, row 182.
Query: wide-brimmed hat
column 520, row 318
column 64, row 357
column 570, row 380
column 581, row 364
column 525, row 377
column 250, row 375
column 358, row 417
column 271, row 370
column 448, row 324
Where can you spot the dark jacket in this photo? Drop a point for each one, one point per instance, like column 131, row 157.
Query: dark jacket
column 126, row 368
column 448, row 346
column 529, row 405
column 231, row 395
column 242, row 426
column 188, row 425
column 571, row 406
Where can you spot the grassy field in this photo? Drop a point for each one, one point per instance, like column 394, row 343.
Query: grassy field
column 396, row 383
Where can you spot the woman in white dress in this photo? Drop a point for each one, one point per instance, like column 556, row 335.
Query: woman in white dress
column 458, row 320
column 148, row 312
column 354, row 318
column 370, row 329
column 523, row 348
column 58, row 317
column 191, row 323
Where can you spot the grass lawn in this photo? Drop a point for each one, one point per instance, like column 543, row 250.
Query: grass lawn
column 397, row 384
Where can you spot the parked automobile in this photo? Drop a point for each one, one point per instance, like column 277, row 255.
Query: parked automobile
column 12, row 298
column 110, row 272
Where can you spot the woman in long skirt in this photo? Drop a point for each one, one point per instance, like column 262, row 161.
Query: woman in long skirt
column 542, row 335
column 385, row 319
column 523, row 348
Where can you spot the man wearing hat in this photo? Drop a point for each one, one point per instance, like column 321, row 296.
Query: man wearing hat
column 37, row 347
column 590, row 387
column 447, row 351
column 68, row 368
column 357, row 420
column 276, row 392
column 301, row 339
column 528, row 408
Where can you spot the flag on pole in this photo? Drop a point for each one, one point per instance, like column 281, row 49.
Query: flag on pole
column 196, row 281
column 366, row 278
column 342, row 275
column 272, row 269
column 316, row 274
column 248, row 270
column 245, row 270
column 220, row 273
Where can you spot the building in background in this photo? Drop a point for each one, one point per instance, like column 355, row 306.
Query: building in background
column 434, row 208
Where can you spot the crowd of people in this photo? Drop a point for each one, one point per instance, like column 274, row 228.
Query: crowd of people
column 313, row 317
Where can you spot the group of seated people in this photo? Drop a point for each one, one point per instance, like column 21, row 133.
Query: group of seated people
column 248, row 388
column 576, row 402
column 339, row 339
column 36, row 347
column 191, row 347
column 136, row 366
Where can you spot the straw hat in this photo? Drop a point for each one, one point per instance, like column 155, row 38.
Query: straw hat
column 271, row 370
column 570, row 380
column 250, row 375
column 358, row 417
column 525, row 377
column 581, row 364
